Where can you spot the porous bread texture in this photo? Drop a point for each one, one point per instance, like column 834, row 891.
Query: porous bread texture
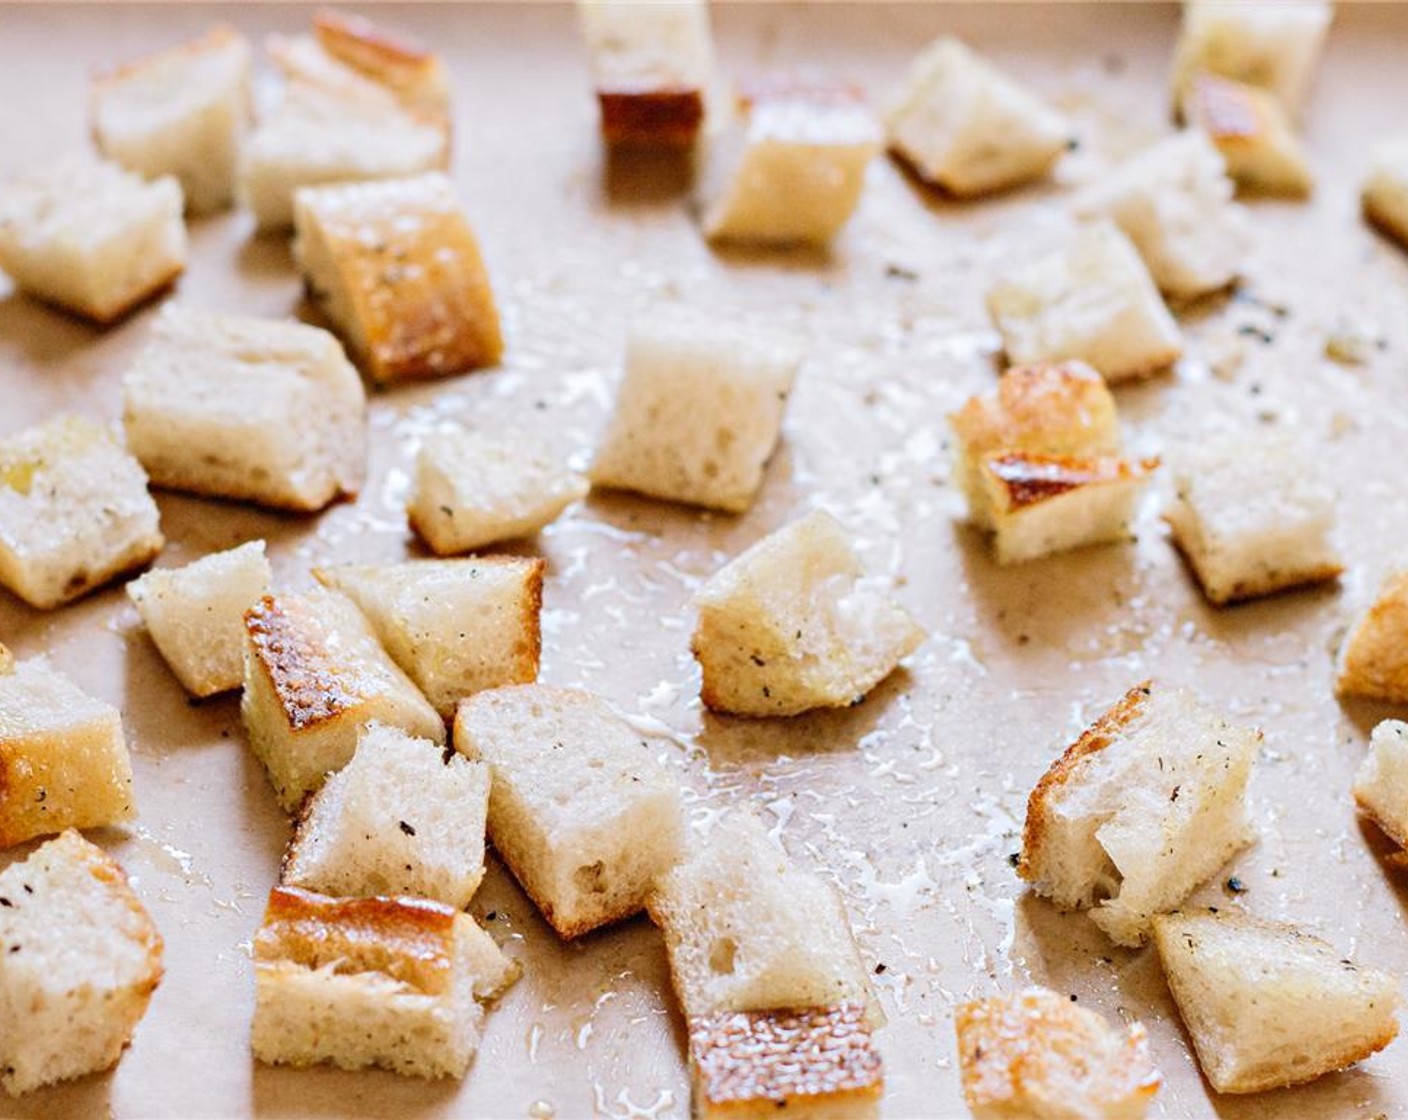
column 1381, row 783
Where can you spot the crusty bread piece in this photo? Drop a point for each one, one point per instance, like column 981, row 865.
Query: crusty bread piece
column 314, row 674
column 401, row 818
column 1253, row 134
column 1143, row 807
column 580, row 808
column 390, row 982
column 965, row 125
column 79, row 960
column 195, row 614
column 90, row 236
column 74, row 511
column 1385, row 192
column 7, row 661
column 1373, row 661
column 455, row 627
column 1271, row 45
column 1252, row 516
column 473, row 489
column 1090, row 299
column 183, row 111
column 698, row 411
column 790, row 169
column 793, row 624
column 1174, row 202
column 652, row 65
column 1268, row 1005
column 1036, row 1055
column 415, row 74
column 1381, row 785
column 256, row 410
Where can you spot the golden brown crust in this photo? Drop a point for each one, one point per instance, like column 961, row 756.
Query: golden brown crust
column 1386, row 222
column 1244, row 590
column 1387, row 827
column 1062, row 407
column 1029, row 480
column 1375, row 661
column 667, row 118
column 104, row 316
column 401, row 64
column 531, row 620
column 289, row 644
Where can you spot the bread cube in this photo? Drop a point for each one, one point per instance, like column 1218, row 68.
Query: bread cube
column 1252, row 133
column 455, row 627
column 1381, row 785
column 1268, row 1005
column 398, row 62
column 580, row 809
column 1274, row 46
column 314, row 674
column 195, row 614
column 794, row 624
column 1144, row 806
column 392, row 982
column 1039, row 1056
column 401, row 818
column 963, row 124
column 1385, row 192
column 396, row 268
column 698, row 412
column 91, row 237
column 74, row 511
column 79, row 960
column 472, row 489
column 1090, row 299
column 183, row 112
column 651, row 65
column 1373, row 661
column 7, row 661
column 791, row 169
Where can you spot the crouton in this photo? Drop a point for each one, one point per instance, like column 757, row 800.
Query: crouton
column 7, row 661
column 183, row 111
column 91, row 237
column 1174, row 202
column 1252, row 133
column 79, row 961
column 1385, row 192
column 392, row 982
column 1038, row 1055
column 580, row 809
column 455, row 627
column 195, row 615
column 794, row 624
column 401, row 818
column 1090, row 299
column 74, row 511
column 652, row 65
column 1274, row 46
column 1252, row 517
column 698, row 411
column 472, row 489
column 1381, row 785
column 1143, row 807
column 254, row 410
column 791, row 168
column 1373, row 660
column 313, row 675
column 1268, row 1005
column 963, row 124
column 401, row 64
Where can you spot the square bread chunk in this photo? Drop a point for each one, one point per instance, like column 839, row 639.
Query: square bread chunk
column 580, row 809
column 455, row 627
column 392, row 982
column 256, row 410
column 399, row 63
column 396, row 268
column 791, row 169
column 1268, row 1005
column 1385, row 192
column 314, row 674
column 74, row 511
column 402, row 818
column 652, row 65
column 91, row 237
column 1381, row 785
column 1252, row 133
column 79, row 960
column 963, row 124
column 1039, row 1056
column 195, row 614
column 698, row 412
column 183, row 112
column 1373, row 661
column 1174, row 202
column 473, row 489
column 1090, row 299
column 1252, row 516
column 1144, row 806
column 793, row 624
